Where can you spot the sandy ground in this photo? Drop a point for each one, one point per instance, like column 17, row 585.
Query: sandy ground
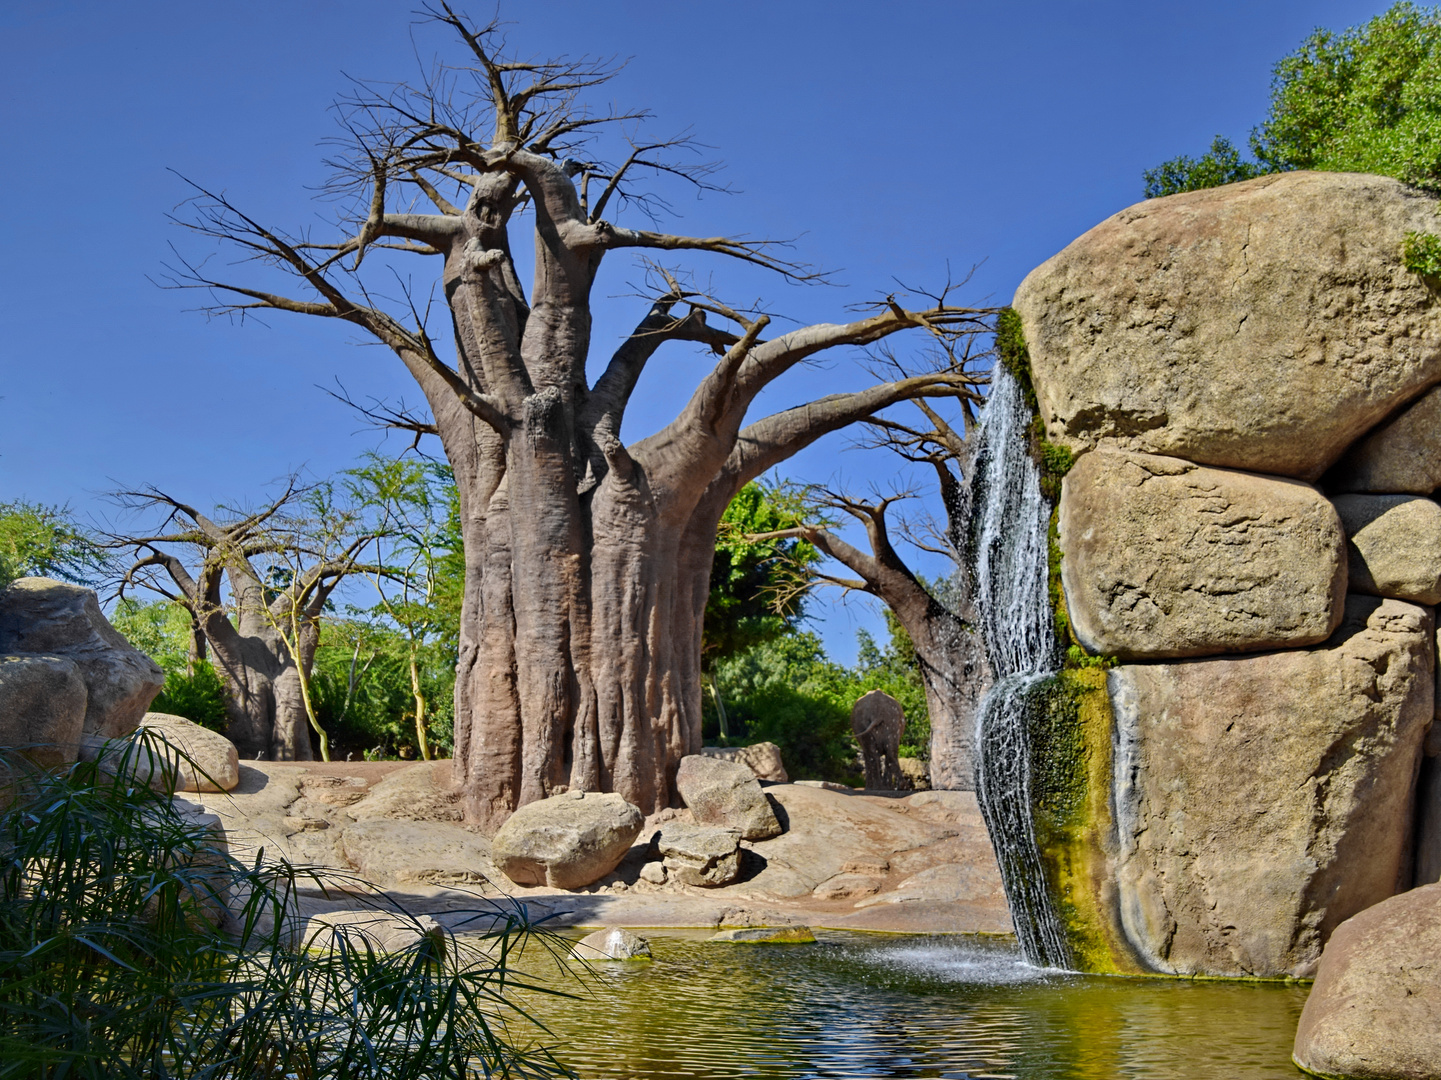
column 914, row 863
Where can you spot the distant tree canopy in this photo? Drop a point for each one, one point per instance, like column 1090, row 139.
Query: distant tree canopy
column 45, row 541
column 1367, row 99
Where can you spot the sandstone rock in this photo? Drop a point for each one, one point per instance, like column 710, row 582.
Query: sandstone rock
column 699, row 854
column 1394, row 544
column 763, row 759
column 915, row 774
column 390, row 852
column 1375, row 1010
column 767, row 935
column 206, row 760
column 419, row 792
column 612, row 943
column 878, row 720
column 847, row 887
column 726, row 793
column 42, row 708
column 1264, row 325
column 1402, row 455
column 38, row 615
column 383, row 931
column 653, row 872
column 951, row 883
column 566, row 841
column 1163, row 558
column 1261, row 801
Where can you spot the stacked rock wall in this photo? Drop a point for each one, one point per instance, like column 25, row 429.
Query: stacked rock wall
column 1249, row 378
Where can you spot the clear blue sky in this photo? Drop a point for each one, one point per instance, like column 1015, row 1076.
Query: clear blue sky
column 892, row 139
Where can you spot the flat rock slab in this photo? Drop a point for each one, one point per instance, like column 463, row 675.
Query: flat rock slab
column 767, row 935
column 1261, row 801
column 1375, row 1009
column 1265, row 325
column 1163, row 558
column 1394, row 546
column 382, row 931
column 391, row 852
column 700, row 855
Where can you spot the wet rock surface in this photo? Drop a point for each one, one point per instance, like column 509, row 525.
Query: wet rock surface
column 1263, row 800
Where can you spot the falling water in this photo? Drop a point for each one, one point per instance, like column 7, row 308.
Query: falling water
column 1011, row 548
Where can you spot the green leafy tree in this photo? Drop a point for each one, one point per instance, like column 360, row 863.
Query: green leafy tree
column 1366, row 99
column 46, row 541
column 164, row 632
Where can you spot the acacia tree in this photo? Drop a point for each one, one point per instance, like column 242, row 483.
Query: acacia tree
column 255, row 586
column 587, row 560
column 948, row 648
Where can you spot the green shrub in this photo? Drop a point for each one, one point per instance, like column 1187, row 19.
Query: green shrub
column 1421, row 253
column 198, row 695
column 118, row 958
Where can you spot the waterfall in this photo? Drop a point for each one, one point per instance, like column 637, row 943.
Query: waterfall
column 1011, row 560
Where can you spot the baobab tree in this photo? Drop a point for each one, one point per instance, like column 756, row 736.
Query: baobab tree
column 587, row 559
column 255, row 585
column 943, row 629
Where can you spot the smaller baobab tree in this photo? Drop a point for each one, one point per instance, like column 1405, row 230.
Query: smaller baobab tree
column 255, row 585
column 943, row 628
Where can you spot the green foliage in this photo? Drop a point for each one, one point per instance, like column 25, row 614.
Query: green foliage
column 118, row 959
column 45, row 541
column 1421, row 254
column 197, row 694
column 757, row 587
column 1053, row 460
column 1367, row 99
column 1222, row 164
column 160, row 629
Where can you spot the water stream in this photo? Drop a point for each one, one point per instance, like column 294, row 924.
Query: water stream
column 1011, row 548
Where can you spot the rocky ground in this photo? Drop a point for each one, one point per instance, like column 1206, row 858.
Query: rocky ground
column 919, row 862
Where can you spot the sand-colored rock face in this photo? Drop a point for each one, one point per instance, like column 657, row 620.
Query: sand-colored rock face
column 1375, row 1011
column 38, row 615
column 207, row 760
column 1402, row 455
column 1260, row 801
column 566, row 841
column 1164, row 558
column 1394, row 546
column 42, row 708
column 1263, row 326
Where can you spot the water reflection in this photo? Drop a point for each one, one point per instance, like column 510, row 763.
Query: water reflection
column 870, row 1006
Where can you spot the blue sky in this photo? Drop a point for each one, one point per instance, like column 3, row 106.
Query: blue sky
column 892, row 140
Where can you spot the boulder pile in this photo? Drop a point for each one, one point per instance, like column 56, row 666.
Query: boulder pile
column 1249, row 380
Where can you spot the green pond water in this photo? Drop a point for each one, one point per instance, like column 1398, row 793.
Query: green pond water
column 867, row 1005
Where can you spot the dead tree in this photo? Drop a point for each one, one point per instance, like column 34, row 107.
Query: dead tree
column 255, row 586
column 587, row 560
column 944, row 632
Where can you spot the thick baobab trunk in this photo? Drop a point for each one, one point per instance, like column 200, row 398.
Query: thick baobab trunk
column 264, row 707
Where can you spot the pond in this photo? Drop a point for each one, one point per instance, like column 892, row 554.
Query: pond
column 868, row 1005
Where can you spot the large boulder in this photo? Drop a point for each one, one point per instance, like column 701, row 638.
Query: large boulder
column 762, row 758
column 566, row 841
column 1375, row 1010
column 1163, row 558
column 42, row 708
column 38, row 615
column 204, row 760
column 1261, row 801
column 1394, row 545
column 1264, row 325
column 701, row 855
column 726, row 793
column 877, row 721
column 1402, row 455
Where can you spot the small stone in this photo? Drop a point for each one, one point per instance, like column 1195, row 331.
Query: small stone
column 1394, row 544
column 767, row 935
column 612, row 943
column 726, row 793
column 846, row 887
column 871, row 867
column 700, row 855
column 653, row 872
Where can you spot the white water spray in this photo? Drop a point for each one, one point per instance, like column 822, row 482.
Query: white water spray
column 1013, row 521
